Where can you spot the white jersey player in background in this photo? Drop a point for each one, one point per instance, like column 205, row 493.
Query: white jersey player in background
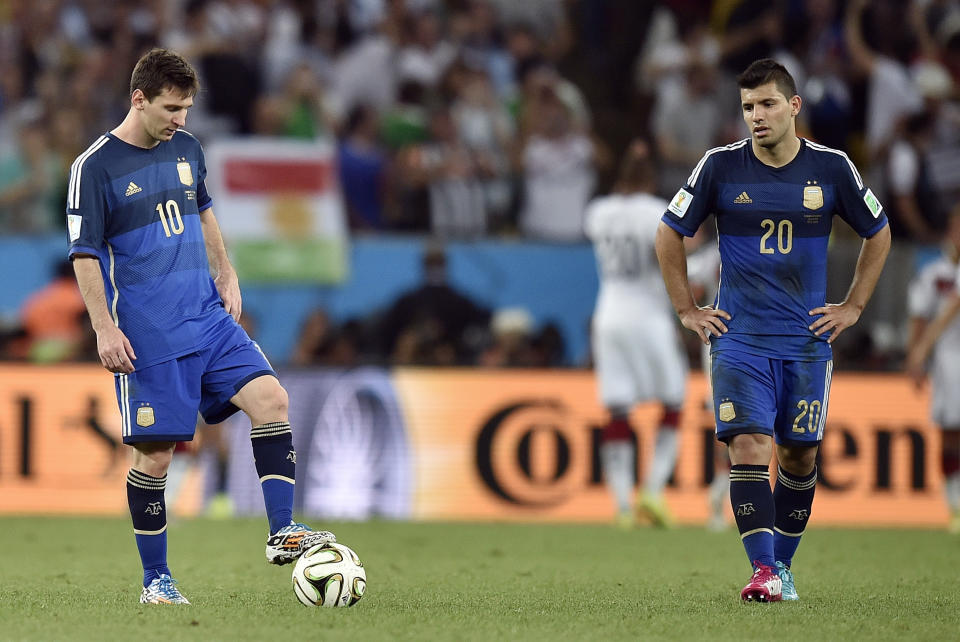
column 636, row 348
column 933, row 301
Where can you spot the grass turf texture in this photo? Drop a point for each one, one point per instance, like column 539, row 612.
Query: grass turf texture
column 77, row 579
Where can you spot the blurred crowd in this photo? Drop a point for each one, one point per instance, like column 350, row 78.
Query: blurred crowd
column 461, row 119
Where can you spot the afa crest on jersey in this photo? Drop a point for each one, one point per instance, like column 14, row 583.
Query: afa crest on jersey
column 145, row 417
column 812, row 197
column 727, row 412
column 186, row 175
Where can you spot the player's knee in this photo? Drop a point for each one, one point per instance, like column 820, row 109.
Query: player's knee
column 750, row 449
column 153, row 459
column 797, row 460
column 671, row 418
column 274, row 401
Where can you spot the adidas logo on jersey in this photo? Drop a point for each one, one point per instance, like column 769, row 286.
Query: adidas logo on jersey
column 132, row 189
column 743, row 198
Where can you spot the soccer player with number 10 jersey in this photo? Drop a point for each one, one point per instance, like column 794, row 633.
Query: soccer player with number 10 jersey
column 144, row 243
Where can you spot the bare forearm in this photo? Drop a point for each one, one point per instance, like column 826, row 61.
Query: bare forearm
column 90, row 280
column 931, row 333
column 213, row 242
column 673, row 266
column 873, row 254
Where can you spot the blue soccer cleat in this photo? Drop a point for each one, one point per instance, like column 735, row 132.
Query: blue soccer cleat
column 162, row 590
column 286, row 544
column 788, row 588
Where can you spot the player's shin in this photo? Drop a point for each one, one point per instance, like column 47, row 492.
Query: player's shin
column 793, row 497
column 617, row 459
column 753, row 508
column 664, row 454
column 276, row 461
column 149, row 514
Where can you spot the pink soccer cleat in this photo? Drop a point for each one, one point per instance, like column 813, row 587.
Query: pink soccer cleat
column 764, row 586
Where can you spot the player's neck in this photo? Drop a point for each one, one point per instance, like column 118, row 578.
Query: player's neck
column 780, row 154
column 131, row 131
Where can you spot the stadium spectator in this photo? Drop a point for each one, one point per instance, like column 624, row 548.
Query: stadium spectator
column 54, row 319
column 558, row 170
column 511, row 331
column 679, row 138
column 451, row 174
column 364, row 170
column 433, row 324
column 914, row 207
column 487, row 131
column 32, row 183
column 322, row 343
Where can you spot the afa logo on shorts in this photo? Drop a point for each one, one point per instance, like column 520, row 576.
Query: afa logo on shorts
column 727, row 412
column 145, row 416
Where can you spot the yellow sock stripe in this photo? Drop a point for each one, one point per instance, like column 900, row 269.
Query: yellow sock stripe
column 270, row 429
column 754, row 531
column 751, row 475
column 793, row 484
column 140, row 532
column 280, row 477
column 138, row 479
column 788, row 534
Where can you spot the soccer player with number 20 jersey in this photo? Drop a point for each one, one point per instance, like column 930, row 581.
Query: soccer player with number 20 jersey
column 144, row 243
column 774, row 196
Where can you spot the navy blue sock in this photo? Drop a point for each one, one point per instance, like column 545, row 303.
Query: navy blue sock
column 793, row 497
column 149, row 513
column 752, row 502
column 276, row 462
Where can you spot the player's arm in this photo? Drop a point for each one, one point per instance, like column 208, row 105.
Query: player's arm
column 113, row 347
column 671, row 253
column 224, row 276
column 920, row 349
column 840, row 316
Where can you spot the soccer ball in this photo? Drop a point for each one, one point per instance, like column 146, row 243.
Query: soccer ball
column 329, row 574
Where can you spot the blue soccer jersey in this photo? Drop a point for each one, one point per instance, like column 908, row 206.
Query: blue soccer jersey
column 774, row 224
column 137, row 210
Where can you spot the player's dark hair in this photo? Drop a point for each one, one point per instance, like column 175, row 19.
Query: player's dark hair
column 160, row 69
column 637, row 171
column 765, row 70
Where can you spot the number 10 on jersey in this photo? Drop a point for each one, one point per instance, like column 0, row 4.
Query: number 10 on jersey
column 170, row 217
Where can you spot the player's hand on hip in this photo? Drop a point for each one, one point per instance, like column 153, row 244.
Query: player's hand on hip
column 836, row 317
column 228, row 286
column 705, row 321
column 116, row 353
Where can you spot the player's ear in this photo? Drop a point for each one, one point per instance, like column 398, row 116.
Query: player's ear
column 795, row 103
column 138, row 99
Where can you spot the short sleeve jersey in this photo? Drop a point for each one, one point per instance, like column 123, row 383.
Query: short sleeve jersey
column 773, row 227
column 623, row 229
column 927, row 295
column 137, row 210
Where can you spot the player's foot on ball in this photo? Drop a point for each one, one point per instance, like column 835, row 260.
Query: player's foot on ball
column 653, row 510
column 286, row 544
column 788, row 590
column 764, row 586
column 162, row 590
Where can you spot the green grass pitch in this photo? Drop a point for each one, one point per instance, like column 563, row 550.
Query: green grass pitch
column 78, row 579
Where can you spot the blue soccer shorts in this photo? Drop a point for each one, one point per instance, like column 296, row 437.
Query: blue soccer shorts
column 160, row 402
column 785, row 399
